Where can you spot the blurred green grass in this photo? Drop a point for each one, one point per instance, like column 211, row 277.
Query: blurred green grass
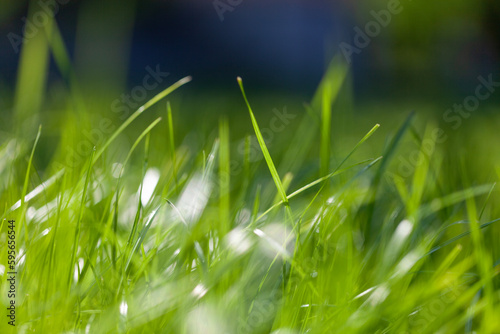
column 403, row 239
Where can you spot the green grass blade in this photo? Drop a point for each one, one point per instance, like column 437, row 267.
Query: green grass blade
column 421, row 171
column 142, row 235
column 365, row 138
column 173, row 153
column 263, row 147
column 450, row 199
column 76, row 239
column 139, row 202
column 315, row 182
column 458, row 237
column 327, row 94
column 138, row 140
column 139, row 111
column 23, row 208
column 28, row 170
column 326, row 128
column 486, row 201
column 224, row 177
column 388, row 154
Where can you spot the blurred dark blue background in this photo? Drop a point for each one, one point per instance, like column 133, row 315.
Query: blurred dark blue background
column 282, row 45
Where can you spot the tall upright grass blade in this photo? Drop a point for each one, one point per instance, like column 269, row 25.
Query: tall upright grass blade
column 421, row 171
column 139, row 202
column 483, row 258
column 137, row 141
column 76, row 239
column 328, row 93
column 317, row 181
column 486, row 201
column 263, row 147
column 22, row 213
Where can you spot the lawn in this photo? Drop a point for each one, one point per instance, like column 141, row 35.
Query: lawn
column 190, row 214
